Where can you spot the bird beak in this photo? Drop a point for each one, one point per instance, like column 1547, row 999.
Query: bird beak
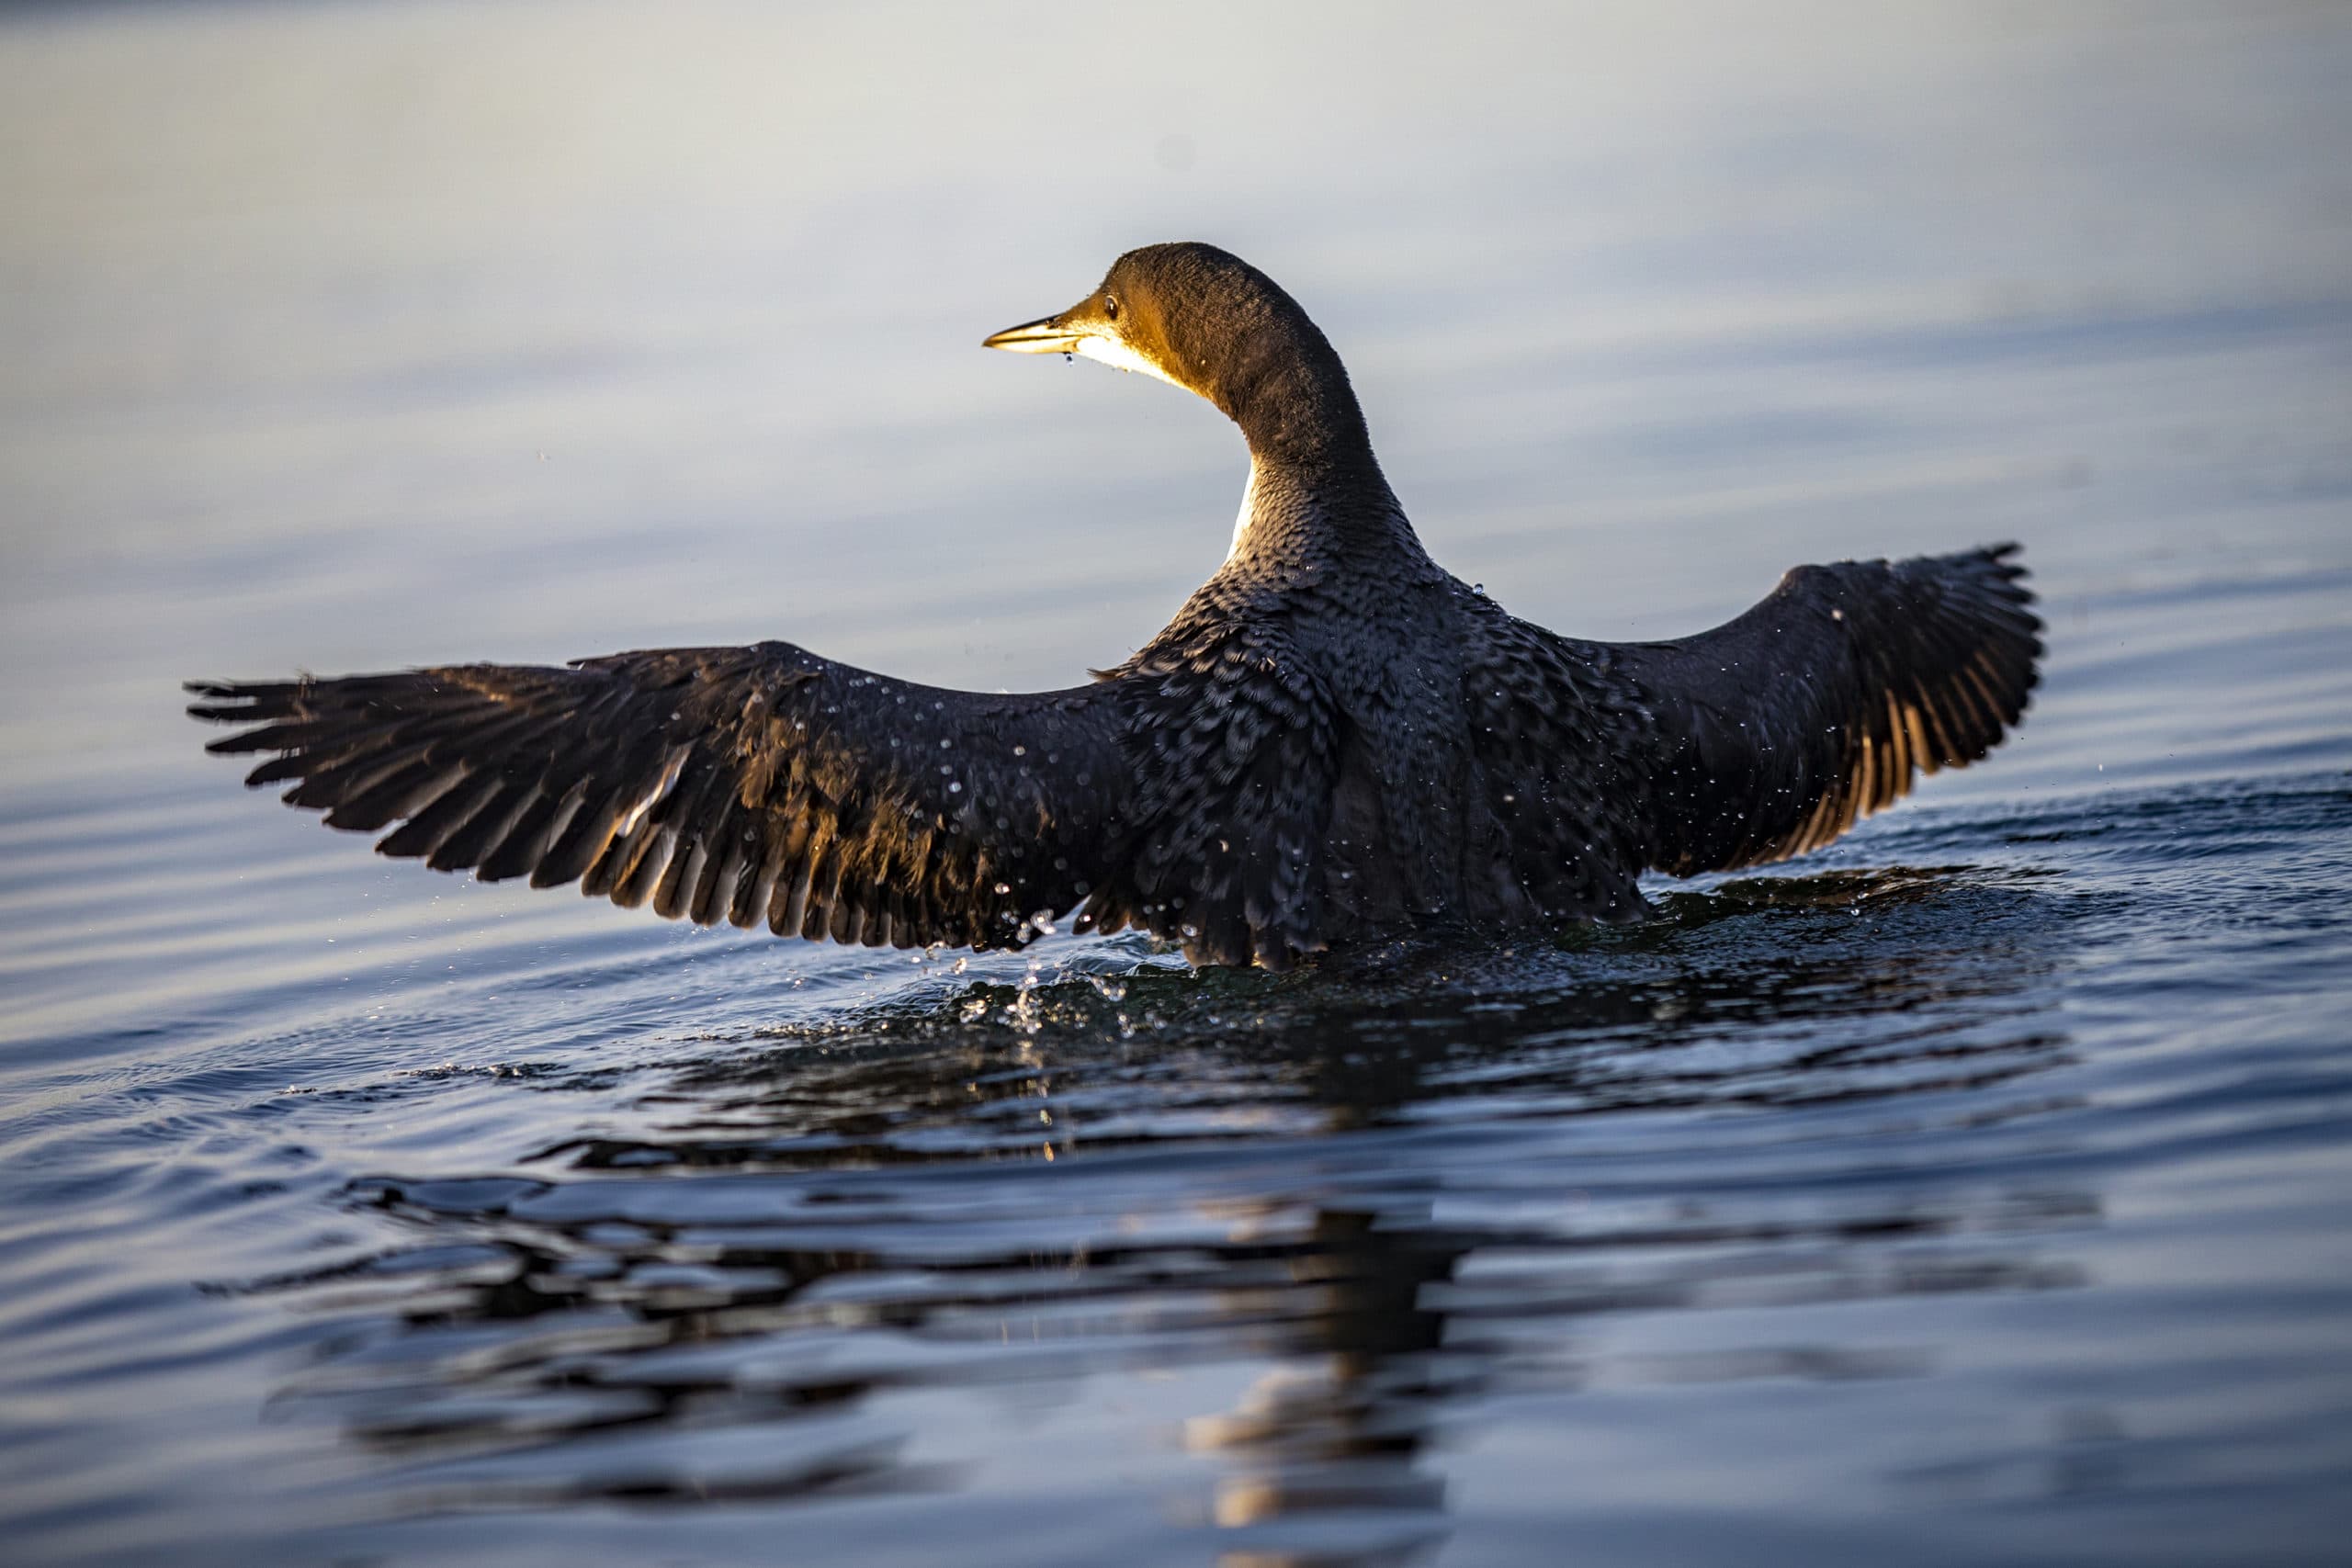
column 1044, row 335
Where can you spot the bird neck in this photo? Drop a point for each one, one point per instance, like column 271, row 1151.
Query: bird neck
column 1316, row 499
column 1285, row 388
column 1311, row 516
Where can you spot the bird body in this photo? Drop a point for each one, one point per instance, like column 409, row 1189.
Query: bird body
column 1333, row 738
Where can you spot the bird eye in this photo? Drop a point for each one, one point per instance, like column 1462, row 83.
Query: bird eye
column 1111, row 306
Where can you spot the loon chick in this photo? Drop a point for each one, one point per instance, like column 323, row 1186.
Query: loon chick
column 1333, row 738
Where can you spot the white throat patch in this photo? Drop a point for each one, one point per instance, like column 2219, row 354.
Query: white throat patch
column 1241, row 520
column 1115, row 353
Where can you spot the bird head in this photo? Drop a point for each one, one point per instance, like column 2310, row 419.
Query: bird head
column 1208, row 321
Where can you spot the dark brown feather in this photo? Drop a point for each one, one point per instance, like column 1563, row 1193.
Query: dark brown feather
column 705, row 780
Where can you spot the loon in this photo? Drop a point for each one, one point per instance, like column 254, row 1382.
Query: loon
column 1333, row 741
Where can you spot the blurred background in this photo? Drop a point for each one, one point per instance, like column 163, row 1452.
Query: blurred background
column 1970, row 1192
column 341, row 336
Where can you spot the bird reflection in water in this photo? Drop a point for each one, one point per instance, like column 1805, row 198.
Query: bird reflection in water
column 1340, row 1425
column 823, row 1237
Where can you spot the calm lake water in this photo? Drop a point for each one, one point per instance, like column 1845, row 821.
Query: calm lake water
column 1975, row 1191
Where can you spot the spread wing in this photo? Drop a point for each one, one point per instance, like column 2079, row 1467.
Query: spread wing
column 750, row 784
column 1772, row 734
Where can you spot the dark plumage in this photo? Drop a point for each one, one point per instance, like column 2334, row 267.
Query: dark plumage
column 1332, row 739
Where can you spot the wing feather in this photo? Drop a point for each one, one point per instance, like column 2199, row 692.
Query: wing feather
column 758, row 785
column 1766, row 737
column 1776, row 732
